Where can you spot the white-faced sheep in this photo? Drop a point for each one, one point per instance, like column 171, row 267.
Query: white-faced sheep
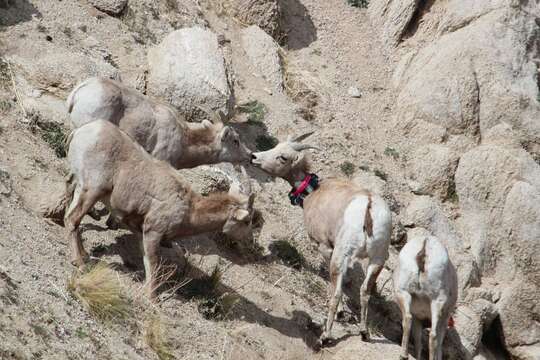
column 345, row 220
column 146, row 194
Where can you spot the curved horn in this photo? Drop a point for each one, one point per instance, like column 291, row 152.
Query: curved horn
column 301, row 137
column 300, row 147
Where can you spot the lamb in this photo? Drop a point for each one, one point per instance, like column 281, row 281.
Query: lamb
column 425, row 284
column 159, row 128
column 146, row 194
column 345, row 220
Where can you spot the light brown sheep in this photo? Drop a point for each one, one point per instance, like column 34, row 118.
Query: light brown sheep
column 145, row 194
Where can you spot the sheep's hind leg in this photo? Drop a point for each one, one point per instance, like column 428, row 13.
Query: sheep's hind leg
column 83, row 200
column 404, row 300
column 373, row 271
column 338, row 266
column 438, row 327
column 417, row 337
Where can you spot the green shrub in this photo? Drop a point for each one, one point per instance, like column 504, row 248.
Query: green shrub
column 255, row 111
column 347, row 168
column 359, row 3
column 390, row 151
column 265, row 142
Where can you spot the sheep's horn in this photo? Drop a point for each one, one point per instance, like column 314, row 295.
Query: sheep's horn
column 215, row 116
column 301, row 137
column 299, row 147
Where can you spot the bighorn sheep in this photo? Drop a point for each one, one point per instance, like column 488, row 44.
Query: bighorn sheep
column 159, row 128
column 425, row 284
column 345, row 220
column 146, row 194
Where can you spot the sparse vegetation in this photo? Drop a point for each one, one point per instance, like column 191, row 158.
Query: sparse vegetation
column 52, row 133
column 288, row 253
column 154, row 337
column 265, row 142
column 212, row 305
column 5, row 76
column 81, row 333
column 68, row 32
column 451, row 194
column 5, row 105
column 380, row 174
column 100, row 291
column 347, row 168
column 41, row 28
column 301, row 86
column 390, row 151
column 359, row 3
column 255, row 111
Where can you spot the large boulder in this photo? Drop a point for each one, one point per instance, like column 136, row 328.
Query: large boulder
column 187, row 69
column 431, row 168
column 393, row 17
column 263, row 53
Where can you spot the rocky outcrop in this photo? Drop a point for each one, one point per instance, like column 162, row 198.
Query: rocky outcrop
column 467, row 86
column 187, row 69
column 263, row 53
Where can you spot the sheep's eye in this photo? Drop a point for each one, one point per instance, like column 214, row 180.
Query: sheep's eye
column 282, row 158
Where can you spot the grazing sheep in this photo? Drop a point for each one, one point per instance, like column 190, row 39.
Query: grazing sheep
column 146, row 194
column 159, row 128
column 345, row 220
column 425, row 284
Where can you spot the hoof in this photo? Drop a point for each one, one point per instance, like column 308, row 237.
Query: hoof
column 364, row 334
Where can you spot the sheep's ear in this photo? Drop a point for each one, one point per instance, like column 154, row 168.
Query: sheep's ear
column 241, row 215
column 225, row 132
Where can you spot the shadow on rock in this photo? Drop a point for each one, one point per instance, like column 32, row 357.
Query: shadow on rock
column 13, row 12
column 297, row 24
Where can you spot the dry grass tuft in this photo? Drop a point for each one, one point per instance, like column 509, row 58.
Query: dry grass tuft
column 154, row 337
column 302, row 86
column 100, row 291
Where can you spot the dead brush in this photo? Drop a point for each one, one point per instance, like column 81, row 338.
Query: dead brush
column 153, row 333
column 99, row 289
column 302, row 87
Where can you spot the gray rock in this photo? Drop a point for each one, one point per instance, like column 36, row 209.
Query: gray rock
column 112, row 7
column 263, row 53
column 187, row 70
column 354, row 92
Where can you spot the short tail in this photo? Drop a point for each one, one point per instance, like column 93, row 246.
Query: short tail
column 70, row 102
column 421, row 256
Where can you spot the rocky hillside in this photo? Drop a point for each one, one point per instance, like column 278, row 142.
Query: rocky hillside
column 435, row 104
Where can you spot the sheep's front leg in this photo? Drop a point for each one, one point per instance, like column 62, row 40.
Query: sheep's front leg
column 368, row 285
column 404, row 301
column 83, row 200
column 151, row 240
